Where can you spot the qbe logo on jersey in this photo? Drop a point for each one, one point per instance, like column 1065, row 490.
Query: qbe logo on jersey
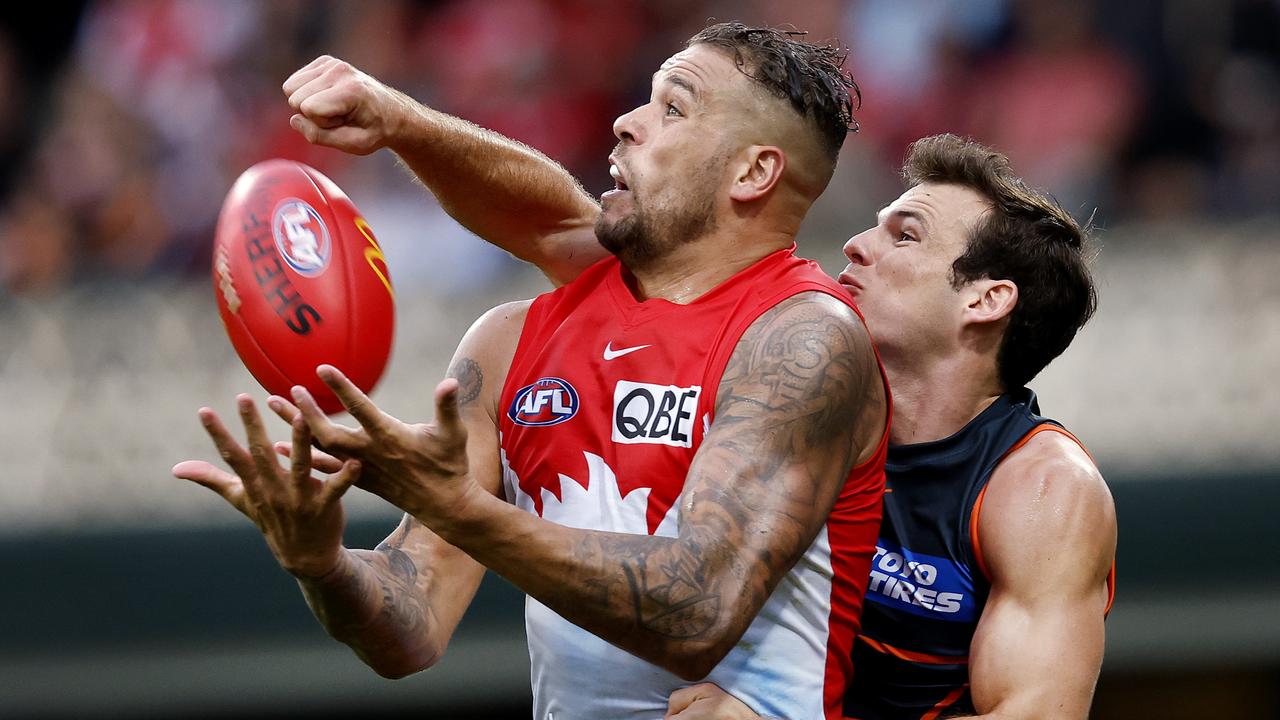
column 301, row 237
column 658, row 414
column 549, row 401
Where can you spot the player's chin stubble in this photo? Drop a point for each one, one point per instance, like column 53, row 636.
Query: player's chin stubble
column 643, row 238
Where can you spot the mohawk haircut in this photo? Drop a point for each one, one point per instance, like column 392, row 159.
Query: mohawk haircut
column 812, row 78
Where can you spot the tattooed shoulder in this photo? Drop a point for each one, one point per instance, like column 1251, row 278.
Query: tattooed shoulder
column 470, row 379
column 807, row 362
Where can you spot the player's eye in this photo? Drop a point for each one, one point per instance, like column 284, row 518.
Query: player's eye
column 906, row 237
column 673, row 111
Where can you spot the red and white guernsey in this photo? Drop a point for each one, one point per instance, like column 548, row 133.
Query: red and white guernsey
column 606, row 402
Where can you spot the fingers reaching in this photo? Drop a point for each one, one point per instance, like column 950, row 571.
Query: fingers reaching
column 448, row 420
column 324, row 431
column 208, row 475
column 342, row 481
column 259, row 443
column 353, row 399
column 230, row 451
column 300, row 459
column 283, row 409
column 320, row 460
column 299, row 514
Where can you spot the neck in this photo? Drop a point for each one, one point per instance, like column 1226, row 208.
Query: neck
column 693, row 269
column 935, row 398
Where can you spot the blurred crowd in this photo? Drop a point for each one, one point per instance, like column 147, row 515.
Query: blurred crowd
column 123, row 122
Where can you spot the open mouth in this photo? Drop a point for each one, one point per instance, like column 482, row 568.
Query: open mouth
column 615, row 172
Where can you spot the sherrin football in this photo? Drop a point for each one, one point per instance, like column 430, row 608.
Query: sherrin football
column 300, row 281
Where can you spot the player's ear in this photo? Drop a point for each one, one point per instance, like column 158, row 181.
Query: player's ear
column 989, row 300
column 757, row 173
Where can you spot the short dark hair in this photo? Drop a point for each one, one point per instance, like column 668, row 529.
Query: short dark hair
column 811, row 77
column 1027, row 238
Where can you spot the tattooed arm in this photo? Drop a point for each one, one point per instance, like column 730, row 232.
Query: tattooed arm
column 800, row 403
column 398, row 605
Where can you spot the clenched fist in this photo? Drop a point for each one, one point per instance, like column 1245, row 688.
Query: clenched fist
column 338, row 106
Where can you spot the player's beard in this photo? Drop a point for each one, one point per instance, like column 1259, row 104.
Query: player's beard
column 654, row 229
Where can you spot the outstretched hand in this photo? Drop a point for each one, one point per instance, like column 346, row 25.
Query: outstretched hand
column 299, row 514
column 420, row 468
column 338, row 106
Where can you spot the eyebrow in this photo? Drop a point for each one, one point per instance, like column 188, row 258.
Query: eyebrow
column 906, row 214
column 681, row 83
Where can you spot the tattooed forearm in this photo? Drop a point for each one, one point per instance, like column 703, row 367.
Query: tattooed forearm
column 683, row 602
column 401, row 608
column 649, row 590
column 470, row 379
column 368, row 600
column 372, row 602
column 679, row 599
column 679, row 602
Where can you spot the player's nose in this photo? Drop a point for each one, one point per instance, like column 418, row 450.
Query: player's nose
column 627, row 127
column 855, row 248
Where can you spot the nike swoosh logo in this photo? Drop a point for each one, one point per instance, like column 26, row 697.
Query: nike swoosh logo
column 611, row 354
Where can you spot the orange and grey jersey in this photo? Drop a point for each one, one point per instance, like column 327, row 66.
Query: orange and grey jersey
column 928, row 583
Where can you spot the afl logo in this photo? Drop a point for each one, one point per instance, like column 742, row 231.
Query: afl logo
column 301, row 237
column 549, row 401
